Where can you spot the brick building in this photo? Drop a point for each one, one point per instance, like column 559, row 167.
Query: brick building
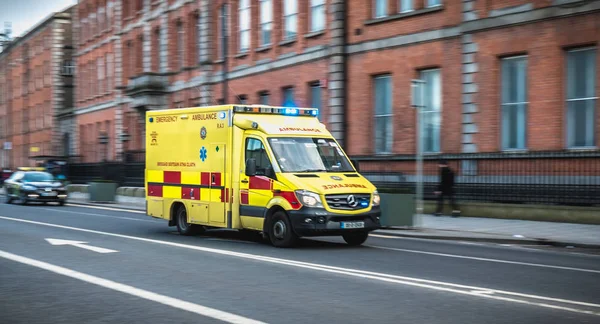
column 502, row 76
column 36, row 92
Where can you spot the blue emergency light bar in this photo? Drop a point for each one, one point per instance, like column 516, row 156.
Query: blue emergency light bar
column 257, row 109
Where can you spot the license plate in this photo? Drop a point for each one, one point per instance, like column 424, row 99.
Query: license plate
column 353, row 224
column 48, row 193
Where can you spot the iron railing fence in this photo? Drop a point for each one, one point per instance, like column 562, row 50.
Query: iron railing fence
column 557, row 178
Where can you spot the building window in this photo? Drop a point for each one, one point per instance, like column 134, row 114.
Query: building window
column 581, row 97
column 432, row 110
column 382, row 101
column 406, row 6
column 109, row 72
column 180, row 45
column 317, row 15
column 315, row 97
column 380, row 8
column 433, row 3
column 243, row 99
column 514, row 102
column 290, row 18
column 222, row 29
column 68, row 67
column 288, row 96
column 101, row 75
column 109, row 14
column 266, row 21
column 264, row 98
column 244, row 13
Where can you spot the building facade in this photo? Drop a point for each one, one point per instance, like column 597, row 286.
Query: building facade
column 36, row 93
column 501, row 76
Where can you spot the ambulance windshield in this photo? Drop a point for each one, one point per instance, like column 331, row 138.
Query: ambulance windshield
column 302, row 154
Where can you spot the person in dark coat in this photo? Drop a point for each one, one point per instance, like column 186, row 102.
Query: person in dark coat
column 446, row 188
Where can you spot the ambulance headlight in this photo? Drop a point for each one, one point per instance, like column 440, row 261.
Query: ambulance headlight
column 376, row 198
column 309, row 199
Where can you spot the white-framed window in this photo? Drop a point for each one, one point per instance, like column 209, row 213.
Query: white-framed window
column 382, row 101
column 266, row 21
column 315, row 97
column 432, row 110
column 109, row 13
column 318, row 15
column 380, row 8
column 433, row 3
column 223, row 25
column 244, row 17
column 514, row 102
column 290, row 19
column 180, row 45
column 242, row 99
column 581, row 97
column 406, row 6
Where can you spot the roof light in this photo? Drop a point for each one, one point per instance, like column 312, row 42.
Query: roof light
column 287, row 111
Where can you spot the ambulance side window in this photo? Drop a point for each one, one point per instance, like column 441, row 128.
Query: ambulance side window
column 256, row 150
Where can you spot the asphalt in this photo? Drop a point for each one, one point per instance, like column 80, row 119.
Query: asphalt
column 389, row 280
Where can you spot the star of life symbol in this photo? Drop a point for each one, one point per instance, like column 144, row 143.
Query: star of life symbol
column 203, row 153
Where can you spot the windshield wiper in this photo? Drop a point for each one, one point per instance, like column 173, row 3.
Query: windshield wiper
column 313, row 170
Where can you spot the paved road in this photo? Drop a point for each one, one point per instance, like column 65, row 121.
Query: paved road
column 135, row 269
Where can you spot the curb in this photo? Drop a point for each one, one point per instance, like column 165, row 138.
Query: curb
column 110, row 205
column 544, row 242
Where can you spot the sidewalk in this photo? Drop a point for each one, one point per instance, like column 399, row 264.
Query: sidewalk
column 504, row 231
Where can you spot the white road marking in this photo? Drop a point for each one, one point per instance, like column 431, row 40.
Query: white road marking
column 105, row 216
column 145, row 294
column 485, row 259
column 108, row 208
column 409, row 281
column 80, row 244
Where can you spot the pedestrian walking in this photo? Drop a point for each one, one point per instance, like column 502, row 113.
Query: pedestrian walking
column 446, row 189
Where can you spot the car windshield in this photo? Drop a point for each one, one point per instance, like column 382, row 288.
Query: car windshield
column 305, row 154
column 38, row 177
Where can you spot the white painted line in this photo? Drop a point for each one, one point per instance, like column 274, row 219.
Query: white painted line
column 108, row 208
column 485, row 259
column 80, row 244
column 165, row 300
column 105, row 216
column 410, row 281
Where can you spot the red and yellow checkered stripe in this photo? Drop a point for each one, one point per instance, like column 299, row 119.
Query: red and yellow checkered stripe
column 203, row 186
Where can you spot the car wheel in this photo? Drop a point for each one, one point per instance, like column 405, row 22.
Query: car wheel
column 183, row 227
column 23, row 200
column 355, row 238
column 281, row 233
column 8, row 199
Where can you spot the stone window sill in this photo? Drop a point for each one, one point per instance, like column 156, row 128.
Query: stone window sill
column 315, row 34
column 399, row 16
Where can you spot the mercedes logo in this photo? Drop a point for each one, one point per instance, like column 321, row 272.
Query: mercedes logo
column 352, row 202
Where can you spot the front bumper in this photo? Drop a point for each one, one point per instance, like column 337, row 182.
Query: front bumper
column 325, row 223
column 43, row 196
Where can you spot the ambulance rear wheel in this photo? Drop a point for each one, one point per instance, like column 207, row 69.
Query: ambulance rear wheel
column 183, row 227
column 281, row 233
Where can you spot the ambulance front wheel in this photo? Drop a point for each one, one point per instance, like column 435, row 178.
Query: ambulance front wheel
column 183, row 227
column 355, row 238
column 281, row 233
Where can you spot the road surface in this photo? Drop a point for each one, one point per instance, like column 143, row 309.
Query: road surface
column 100, row 265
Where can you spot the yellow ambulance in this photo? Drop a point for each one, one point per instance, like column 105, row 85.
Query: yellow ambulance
column 275, row 170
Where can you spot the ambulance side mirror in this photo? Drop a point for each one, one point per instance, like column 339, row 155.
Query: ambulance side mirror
column 356, row 165
column 251, row 167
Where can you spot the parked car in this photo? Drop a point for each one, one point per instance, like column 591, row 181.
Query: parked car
column 34, row 185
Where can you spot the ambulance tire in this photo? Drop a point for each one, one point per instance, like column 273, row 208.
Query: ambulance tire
column 183, row 227
column 356, row 238
column 281, row 233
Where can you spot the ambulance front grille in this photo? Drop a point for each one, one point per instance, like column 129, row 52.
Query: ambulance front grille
column 342, row 201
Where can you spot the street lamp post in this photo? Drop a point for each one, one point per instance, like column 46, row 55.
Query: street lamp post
column 418, row 102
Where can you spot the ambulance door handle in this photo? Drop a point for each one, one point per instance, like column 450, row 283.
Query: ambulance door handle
column 244, row 181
